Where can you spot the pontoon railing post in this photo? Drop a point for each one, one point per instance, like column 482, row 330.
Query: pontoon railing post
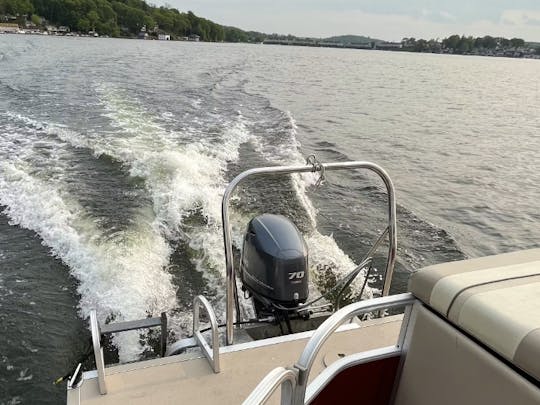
column 98, row 352
column 97, row 330
column 280, row 170
column 212, row 356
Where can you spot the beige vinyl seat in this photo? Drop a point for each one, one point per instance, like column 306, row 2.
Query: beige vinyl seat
column 476, row 339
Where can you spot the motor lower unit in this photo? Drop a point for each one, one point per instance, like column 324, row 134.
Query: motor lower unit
column 274, row 266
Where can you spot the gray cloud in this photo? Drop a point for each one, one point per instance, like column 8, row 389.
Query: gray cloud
column 521, row 17
column 394, row 18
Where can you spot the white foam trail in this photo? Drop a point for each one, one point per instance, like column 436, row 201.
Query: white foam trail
column 123, row 277
column 138, row 255
column 324, row 252
column 183, row 177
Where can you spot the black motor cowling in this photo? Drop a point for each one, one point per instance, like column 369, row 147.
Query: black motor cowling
column 274, row 265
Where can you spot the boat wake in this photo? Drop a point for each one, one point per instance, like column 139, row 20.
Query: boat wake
column 328, row 261
column 123, row 277
column 125, row 274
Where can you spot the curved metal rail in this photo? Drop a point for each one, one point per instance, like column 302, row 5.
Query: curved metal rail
column 280, row 376
column 323, row 332
column 280, row 170
column 212, row 356
column 302, row 368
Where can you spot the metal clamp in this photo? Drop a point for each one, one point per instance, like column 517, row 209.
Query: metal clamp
column 212, row 356
column 280, row 376
column 317, row 167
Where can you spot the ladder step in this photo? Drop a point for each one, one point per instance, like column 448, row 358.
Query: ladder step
column 130, row 325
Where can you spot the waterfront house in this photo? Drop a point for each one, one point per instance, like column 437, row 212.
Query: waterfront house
column 61, row 30
column 194, row 37
column 8, row 18
column 164, row 37
column 9, row 28
column 365, row 45
column 389, row 46
column 143, row 34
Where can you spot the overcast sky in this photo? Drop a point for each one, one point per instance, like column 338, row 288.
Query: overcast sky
column 384, row 19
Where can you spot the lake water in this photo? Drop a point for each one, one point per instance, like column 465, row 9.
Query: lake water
column 114, row 155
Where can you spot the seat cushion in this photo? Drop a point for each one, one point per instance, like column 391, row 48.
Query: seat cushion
column 443, row 366
column 496, row 299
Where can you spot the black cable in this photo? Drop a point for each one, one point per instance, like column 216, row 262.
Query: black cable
column 349, row 282
column 237, row 302
column 366, row 280
column 288, row 322
column 340, row 293
column 278, row 317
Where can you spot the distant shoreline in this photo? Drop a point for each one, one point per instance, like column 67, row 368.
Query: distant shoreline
column 378, row 46
column 398, row 47
column 78, row 35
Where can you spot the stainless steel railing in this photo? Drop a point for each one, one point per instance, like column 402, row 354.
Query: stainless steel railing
column 212, row 356
column 98, row 352
column 281, row 170
column 97, row 330
column 302, row 368
column 323, row 332
column 280, row 376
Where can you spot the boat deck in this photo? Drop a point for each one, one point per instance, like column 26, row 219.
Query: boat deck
column 166, row 380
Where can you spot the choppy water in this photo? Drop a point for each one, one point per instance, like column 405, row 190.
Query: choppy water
column 114, row 155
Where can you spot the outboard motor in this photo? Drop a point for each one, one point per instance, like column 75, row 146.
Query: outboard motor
column 274, row 267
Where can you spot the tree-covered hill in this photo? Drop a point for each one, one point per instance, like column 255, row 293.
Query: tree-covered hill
column 124, row 18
